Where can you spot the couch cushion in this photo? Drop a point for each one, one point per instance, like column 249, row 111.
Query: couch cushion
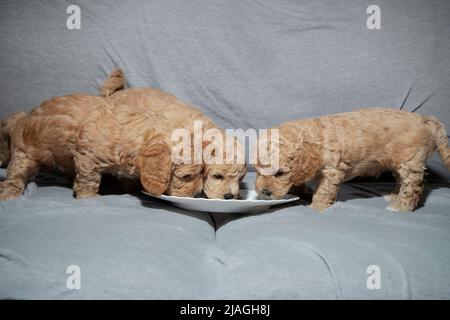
column 125, row 246
column 130, row 246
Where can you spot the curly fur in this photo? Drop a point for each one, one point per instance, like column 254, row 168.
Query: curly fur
column 166, row 113
column 6, row 125
column 126, row 134
column 336, row 148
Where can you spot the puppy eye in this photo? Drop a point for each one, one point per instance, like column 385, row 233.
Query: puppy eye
column 187, row 176
column 218, row 176
column 279, row 173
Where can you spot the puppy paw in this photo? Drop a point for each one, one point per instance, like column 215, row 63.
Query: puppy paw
column 400, row 208
column 84, row 195
column 8, row 191
column 319, row 207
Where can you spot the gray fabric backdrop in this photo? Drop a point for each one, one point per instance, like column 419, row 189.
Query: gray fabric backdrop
column 246, row 64
column 249, row 63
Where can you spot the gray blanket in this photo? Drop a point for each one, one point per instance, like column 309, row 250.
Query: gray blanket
column 246, row 64
column 135, row 247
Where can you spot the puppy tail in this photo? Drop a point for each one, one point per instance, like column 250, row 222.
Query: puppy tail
column 441, row 139
column 114, row 82
column 6, row 126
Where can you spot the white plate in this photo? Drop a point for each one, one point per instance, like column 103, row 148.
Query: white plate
column 247, row 203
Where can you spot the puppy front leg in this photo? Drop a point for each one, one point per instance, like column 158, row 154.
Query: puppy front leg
column 87, row 178
column 327, row 189
column 19, row 171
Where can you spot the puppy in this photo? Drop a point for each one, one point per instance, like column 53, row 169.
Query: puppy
column 166, row 114
column 45, row 139
column 114, row 82
column 336, row 148
column 88, row 136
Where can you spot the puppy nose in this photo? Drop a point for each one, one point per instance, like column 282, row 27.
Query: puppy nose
column 266, row 192
column 228, row 196
column 198, row 195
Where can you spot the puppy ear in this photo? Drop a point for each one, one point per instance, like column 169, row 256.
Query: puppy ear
column 306, row 163
column 208, row 152
column 155, row 167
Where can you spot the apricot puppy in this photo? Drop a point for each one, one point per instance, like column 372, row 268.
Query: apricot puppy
column 336, row 148
column 85, row 136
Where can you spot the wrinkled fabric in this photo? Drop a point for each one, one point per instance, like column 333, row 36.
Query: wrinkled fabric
column 246, row 64
column 135, row 247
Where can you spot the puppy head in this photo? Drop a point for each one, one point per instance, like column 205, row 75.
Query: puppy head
column 299, row 162
column 160, row 175
column 221, row 181
column 223, row 171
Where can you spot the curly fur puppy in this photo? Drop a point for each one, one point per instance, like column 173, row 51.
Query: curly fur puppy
column 75, row 131
column 45, row 139
column 89, row 136
column 166, row 113
column 336, row 148
column 114, row 82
